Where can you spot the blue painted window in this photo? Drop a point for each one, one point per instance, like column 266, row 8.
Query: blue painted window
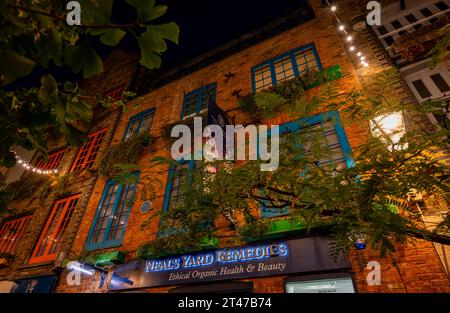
column 112, row 214
column 196, row 101
column 177, row 177
column 338, row 153
column 174, row 194
column 139, row 124
column 285, row 66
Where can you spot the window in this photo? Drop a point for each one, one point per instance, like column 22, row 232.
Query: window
column 397, row 25
column 196, row 101
column 112, row 214
column 10, row 233
column 139, row 124
column 337, row 149
column 52, row 162
column 440, row 82
column 176, row 179
column 441, row 6
column 426, row 12
column 53, row 233
column 88, row 152
column 412, row 19
column 421, row 89
column 286, row 66
column 324, row 285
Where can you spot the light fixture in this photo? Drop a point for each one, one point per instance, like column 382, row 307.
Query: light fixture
column 341, row 27
column 352, row 48
column 349, row 38
column 333, row 8
column 359, row 54
column 81, row 269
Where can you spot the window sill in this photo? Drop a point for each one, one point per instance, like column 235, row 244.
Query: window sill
column 279, row 229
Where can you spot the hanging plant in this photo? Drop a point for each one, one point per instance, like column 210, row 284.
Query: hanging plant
column 267, row 103
column 6, row 259
column 24, row 188
column 125, row 152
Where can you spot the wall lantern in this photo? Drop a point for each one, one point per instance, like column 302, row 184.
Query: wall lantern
column 389, row 128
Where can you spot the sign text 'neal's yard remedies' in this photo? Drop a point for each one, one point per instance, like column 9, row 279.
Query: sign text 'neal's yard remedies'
column 219, row 256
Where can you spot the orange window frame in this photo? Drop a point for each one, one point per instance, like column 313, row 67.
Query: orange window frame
column 10, row 233
column 49, row 243
column 88, row 152
column 53, row 161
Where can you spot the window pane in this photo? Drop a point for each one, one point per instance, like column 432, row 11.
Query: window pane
column 52, row 236
column 440, row 82
column 263, row 77
column 106, row 210
column 328, row 285
column 421, row 89
column 283, row 69
column 178, row 180
column 132, row 128
column 441, row 5
column 426, row 12
column 306, row 61
column 11, row 232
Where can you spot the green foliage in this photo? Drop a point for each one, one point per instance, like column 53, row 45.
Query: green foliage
column 441, row 52
column 24, row 188
column 35, row 34
column 119, row 160
column 368, row 200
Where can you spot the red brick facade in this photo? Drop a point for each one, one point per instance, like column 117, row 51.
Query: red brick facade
column 417, row 266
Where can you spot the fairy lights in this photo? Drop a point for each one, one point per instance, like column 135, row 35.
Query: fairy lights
column 348, row 37
column 31, row 168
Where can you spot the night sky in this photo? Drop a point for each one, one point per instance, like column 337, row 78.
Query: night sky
column 204, row 25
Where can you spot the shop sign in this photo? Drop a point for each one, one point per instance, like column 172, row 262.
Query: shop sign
column 297, row 255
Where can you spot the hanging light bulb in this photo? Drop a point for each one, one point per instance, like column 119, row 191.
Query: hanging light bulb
column 349, row 38
column 352, row 48
column 362, row 58
column 333, row 8
column 341, row 27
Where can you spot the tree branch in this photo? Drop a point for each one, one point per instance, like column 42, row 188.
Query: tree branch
column 63, row 19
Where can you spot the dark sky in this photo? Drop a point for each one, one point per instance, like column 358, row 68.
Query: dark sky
column 203, row 24
column 207, row 24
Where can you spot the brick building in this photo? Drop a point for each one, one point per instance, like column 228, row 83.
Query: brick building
column 102, row 225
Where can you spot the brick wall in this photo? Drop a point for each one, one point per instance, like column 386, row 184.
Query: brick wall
column 167, row 101
column 123, row 64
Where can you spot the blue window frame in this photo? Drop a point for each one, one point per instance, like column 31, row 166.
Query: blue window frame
column 285, row 66
column 139, row 124
column 173, row 195
column 196, row 101
column 113, row 211
column 175, row 180
column 339, row 151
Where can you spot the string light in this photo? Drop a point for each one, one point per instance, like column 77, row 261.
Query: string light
column 31, row 168
column 348, row 36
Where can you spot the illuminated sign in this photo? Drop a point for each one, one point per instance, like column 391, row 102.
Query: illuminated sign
column 220, row 256
column 278, row 258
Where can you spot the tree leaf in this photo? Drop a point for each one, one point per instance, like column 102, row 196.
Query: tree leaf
column 158, row 11
column 152, row 43
column 143, row 8
column 112, row 37
column 83, row 56
column 13, row 66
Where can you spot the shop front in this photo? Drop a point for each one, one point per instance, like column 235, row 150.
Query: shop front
column 41, row 284
column 304, row 264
